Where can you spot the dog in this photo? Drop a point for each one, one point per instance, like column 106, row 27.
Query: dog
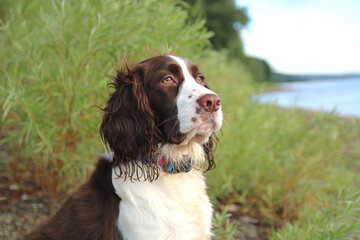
column 159, row 123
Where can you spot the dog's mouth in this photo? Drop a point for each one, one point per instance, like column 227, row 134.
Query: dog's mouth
column 177, row 138
column 200, row 133
column 201, row 127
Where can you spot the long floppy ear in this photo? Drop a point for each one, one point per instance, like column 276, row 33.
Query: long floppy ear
column 128, row 126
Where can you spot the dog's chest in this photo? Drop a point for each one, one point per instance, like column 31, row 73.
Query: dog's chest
column 175, row 206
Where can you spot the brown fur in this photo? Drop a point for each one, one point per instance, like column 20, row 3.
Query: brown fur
column 90, row 213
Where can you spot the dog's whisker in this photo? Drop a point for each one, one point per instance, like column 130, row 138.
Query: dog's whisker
column 224, row 120
column 172, row 129
column 166, row 120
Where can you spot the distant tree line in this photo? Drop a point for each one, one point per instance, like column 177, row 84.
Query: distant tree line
column 226, row 21
column 310, row 77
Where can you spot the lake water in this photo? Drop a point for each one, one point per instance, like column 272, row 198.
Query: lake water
column 343, row 96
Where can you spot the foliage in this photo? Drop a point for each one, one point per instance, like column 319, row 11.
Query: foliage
column 280, row 163
column 223, row 227
column 260, row 70
column 339, row 221
column 281, row 160
column 53, row 69
column 280, row 77
column 224, row 19
column 283, row 165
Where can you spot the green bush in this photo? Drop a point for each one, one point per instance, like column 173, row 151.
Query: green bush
column 53, row 69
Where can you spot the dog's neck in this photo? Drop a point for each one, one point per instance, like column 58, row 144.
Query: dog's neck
column 180, row 154
column 175, row 158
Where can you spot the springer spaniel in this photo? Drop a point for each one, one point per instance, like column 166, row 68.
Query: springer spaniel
column 159, row 124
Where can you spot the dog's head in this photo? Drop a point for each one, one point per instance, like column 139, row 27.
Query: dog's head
column 162, row 102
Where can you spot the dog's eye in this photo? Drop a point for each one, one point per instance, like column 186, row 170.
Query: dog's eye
column 168, row 80
column 199, row 79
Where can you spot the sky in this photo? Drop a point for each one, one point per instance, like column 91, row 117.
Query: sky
column 304, row 36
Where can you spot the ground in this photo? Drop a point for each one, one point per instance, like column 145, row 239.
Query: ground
column 18, row 217
column 23, row 207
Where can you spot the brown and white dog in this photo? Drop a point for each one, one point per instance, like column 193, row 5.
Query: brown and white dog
column 159, row 124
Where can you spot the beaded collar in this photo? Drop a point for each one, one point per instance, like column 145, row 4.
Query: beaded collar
column 170, row 166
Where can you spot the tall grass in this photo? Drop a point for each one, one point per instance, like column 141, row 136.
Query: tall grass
column 287, row 166
column 337, row 221
column 277, row 154
column 53, row 61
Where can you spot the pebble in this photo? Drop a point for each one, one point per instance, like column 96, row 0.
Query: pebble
column 18, row 218
column 14, row 187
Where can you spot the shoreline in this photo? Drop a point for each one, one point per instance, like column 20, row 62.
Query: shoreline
column 286, row 95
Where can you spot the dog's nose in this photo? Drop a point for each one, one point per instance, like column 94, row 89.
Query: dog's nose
column 209, row 102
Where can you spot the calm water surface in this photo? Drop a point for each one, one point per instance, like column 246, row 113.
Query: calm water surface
column 343, row 96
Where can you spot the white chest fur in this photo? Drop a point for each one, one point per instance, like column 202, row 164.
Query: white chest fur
column 175, row 206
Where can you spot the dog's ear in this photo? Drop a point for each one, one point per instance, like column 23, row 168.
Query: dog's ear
column 128, row 126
